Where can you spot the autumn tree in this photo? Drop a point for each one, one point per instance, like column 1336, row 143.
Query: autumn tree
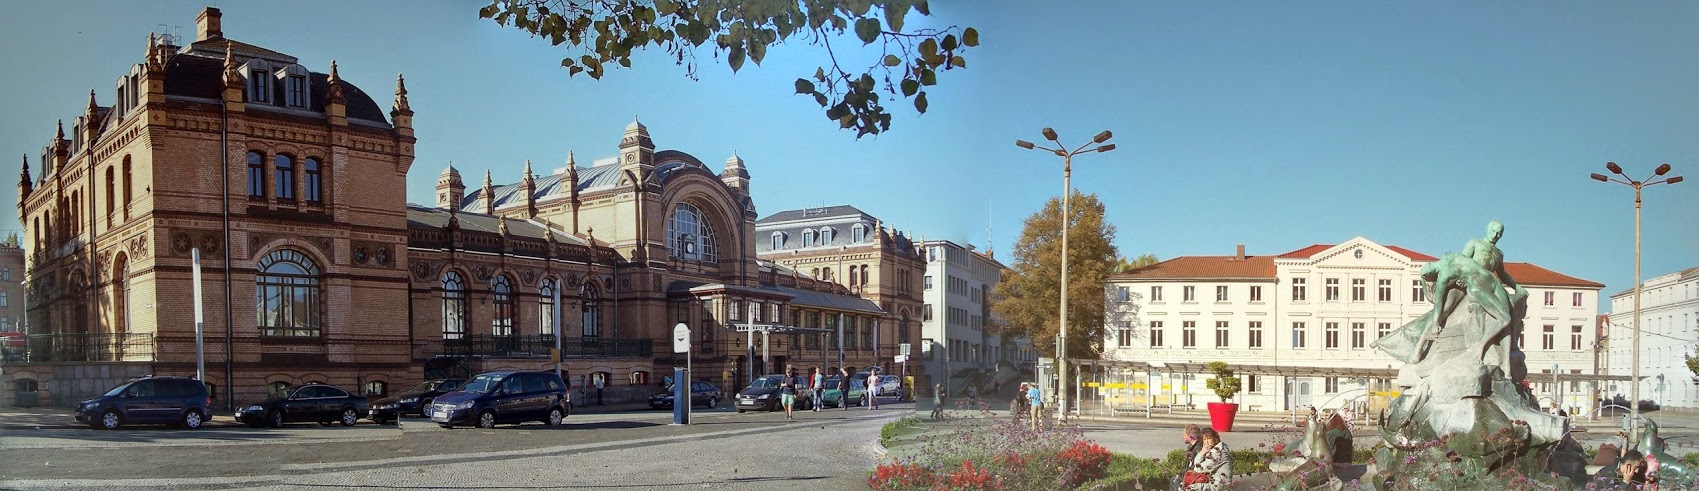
column 1123, row 265
column 1026, row 299
column 599, row 34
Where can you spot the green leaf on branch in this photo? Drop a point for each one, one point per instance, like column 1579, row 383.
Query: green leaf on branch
column 894, row 12
column 929, row 48
column 970, row 37
column 958, row 62
column 803, row 86
column 920, row 102
column 820, row 74
column 487, row 12
column 867, row 30
column 893, row 60
column 949, row 42
column 820, row 98
column 928, row 77
column 910, row 86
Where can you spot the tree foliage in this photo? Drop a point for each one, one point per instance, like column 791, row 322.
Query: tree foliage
column 1027, row 298
column 1123, row 265
column 1224, row 384
column 606, row 32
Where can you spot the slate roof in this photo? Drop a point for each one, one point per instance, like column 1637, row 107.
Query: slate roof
column 811, row 298
column 420, row 216
column 841, row 219
column 190, row 74
column 593, row 178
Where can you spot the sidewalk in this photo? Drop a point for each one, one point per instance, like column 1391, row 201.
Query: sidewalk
column 31, row 418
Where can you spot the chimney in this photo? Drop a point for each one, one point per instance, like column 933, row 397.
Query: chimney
column 209, row 25
column 1240, row 253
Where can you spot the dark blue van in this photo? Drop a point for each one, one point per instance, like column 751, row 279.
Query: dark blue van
column 177, row 401
column 503, row 397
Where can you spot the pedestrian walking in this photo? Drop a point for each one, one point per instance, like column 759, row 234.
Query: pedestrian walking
column 938, row 402
column 601, row 382
column 787, row 393
column 873, row 388
column 1035, row 399
column 843, row 388
column 819, row 386
column 1018, row 406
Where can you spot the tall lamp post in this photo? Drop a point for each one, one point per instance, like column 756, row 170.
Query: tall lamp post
column 1067, row 193
column 1657, row 178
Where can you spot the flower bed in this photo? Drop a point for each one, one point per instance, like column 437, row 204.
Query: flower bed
column 995, row 454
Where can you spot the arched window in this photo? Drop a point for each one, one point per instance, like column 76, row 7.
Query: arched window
column 546, row 307
column 111, row 193
column 285, row 177
column 377, row 388
column 825, row 235
column 287, row 295
column 6, row 272
column 501, row 324
column 778, row 240
column 276, row 389
column 858, row 233
column 808, row 238
column 591, row 311
column 256, row 175
column 313, row 188
column 689, row 235
column 5, row 299
column 826, row 273
column 453, row 306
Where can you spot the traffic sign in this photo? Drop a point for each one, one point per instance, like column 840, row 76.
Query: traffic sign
column 901, row 358
column 902, row 349
column 681, row 338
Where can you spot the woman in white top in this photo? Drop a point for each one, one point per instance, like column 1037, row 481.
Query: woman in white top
column 1214, row 460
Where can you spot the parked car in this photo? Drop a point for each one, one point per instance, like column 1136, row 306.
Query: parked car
column 890, row 387
column 493, row 398
column 763, row 394
column 307, row 403
column 701, row 394
column 857, row 392
column 412, row 402
column 178, row 401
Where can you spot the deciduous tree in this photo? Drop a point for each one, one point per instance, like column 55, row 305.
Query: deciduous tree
column 1123, row 265
column 601, row 33
column 1027, row 298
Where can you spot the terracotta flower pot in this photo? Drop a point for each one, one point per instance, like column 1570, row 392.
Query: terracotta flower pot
column 1221, row 415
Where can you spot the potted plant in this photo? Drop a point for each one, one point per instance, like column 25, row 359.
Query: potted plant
column 1225, row 386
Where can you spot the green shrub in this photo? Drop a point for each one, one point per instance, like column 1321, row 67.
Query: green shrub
column 892, row 429
column 1125, row 471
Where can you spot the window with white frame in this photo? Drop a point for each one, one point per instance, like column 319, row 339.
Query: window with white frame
column 1221, row 293
column 1121, row 294
column 1256, row 334
column 1188, row 334
column 1299, row 291
column 1548, row 336
column 1124, row 336
column 1332, row 385
column 1384, row 290
column 1253, row 384
column 778, row 240
column 928, row 281
column 689, row 235
column 1155, row 293
column 1331, row 335
column 1417, row 294
column 1575, row 299
column 1358, row 291
column 1156, row 334
column 858, row 233
column 808, row 238
column 1332, row 289
column 1551, row 298
column 825, row 235
column 1300, row 336
column 1358, row 333
column 1256, row 293
column 1188, row 294
column 1382, row 329
column 1221, row 335
column 1575, row 338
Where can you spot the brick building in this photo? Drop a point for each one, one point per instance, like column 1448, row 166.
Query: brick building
column 12, row 285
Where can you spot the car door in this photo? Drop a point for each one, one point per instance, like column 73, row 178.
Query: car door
column 510, row 400
column 139, row 403
column 302, row 405
column 331, row 400
column 538, row 394
column 171, row 395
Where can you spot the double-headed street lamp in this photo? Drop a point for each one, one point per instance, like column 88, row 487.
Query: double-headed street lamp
column 1067, row 192
column 1657, row 178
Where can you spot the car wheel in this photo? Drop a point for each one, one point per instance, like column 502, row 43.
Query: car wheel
column 276, row 418
column 487, row 419
column 740, row 411
column 713, row 403
column 192, row 420
column 555, row 416
column 424, row 409
column 111, row 420
column 349, row 416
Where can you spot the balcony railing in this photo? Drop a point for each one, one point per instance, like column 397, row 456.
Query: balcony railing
column 81, row 347
column 539, row 347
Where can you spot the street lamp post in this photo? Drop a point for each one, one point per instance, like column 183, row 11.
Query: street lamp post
column 1657, row 178
column 1067, row 193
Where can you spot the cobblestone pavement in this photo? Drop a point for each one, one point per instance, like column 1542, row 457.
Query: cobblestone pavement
column 826, row 450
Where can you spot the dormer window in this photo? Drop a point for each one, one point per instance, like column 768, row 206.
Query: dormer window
column 858, row 233
column 259, row 75
column 294, row 80
column 808, row 238
column 825, row 235
column 778, row 240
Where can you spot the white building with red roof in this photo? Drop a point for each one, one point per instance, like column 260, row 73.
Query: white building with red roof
column 1299, row 327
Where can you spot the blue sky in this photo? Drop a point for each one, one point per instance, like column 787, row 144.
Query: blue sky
column 1237, row 122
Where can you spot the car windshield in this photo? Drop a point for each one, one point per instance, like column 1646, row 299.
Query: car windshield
column 117, row 390
column 766, row 382
column 832, row 383
column 482, row 384
column 424, row 387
